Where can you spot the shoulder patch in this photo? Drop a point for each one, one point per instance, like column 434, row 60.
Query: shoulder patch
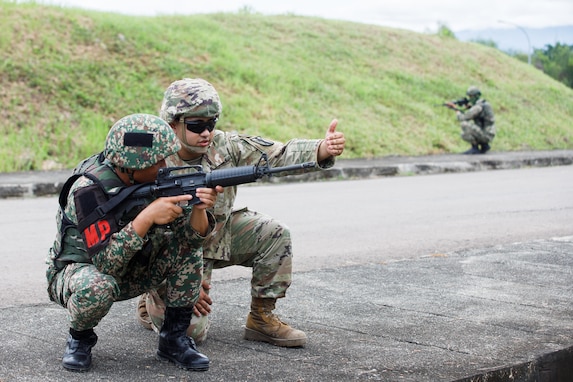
column 261, row 141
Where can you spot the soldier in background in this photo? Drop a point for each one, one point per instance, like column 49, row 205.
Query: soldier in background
column 241, row 237
column 120, row 257
column 477, row 121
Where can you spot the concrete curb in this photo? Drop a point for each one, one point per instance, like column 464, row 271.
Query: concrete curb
column 46, row 183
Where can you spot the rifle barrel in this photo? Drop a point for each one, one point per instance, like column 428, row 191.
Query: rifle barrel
column 293, row 167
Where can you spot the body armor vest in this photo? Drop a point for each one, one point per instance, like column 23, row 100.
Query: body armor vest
column 485, row 118
column 75, row 243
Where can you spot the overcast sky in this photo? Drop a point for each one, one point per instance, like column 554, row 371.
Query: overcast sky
column 415, row 15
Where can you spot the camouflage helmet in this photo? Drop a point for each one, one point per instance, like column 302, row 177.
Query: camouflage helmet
column 473, row 91
column 190, row 97
column 138, row 141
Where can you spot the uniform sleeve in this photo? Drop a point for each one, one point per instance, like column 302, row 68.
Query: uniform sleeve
column 126, row 243
column 295, row 151
column 472, row 113
column 122, row 245
column 194, row 239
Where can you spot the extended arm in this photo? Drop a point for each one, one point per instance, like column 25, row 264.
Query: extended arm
column 472, row 113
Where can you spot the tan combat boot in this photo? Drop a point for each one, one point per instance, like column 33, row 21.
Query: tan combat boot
column 141, row 312
column 263, row 325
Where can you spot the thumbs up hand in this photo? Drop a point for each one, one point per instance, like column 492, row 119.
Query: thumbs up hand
column 333, row 142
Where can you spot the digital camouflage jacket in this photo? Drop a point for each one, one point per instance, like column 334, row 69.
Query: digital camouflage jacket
column 121, row 246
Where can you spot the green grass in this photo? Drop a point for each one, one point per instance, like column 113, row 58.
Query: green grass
column 67, row 75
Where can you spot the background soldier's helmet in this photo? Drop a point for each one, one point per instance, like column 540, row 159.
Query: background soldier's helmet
column 190, row 97
column 139, row 141
column 473, row 91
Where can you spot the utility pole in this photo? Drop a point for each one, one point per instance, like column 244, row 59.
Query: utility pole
column 526, row 35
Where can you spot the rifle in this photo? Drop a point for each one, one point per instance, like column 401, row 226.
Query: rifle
column 459, row 102
column 98, row 226
column 170, row 184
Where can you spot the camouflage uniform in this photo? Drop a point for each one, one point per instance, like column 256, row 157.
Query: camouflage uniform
column 127, row 267
column 477, row 123
column 240, row 237
column 244, row 237
column 99, row 257
column 87, row 285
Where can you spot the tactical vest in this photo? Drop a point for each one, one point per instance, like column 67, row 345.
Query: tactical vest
column 485, row 118
column 76, row 243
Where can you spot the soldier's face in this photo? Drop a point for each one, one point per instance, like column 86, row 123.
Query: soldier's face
column 473, row 99
column 195, row 133
column 149, row 174
column 199, row 130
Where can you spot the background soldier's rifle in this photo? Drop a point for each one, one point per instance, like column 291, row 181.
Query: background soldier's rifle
column 452, row 104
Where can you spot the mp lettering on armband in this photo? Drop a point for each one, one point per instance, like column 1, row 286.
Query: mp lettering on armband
column 96, row 228
column 97, row 234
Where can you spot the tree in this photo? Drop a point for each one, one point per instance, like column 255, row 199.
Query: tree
column 556, row 61
column 445, row 31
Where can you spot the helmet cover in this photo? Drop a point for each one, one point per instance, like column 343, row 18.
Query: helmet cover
column 139, row 141
column 190, row 97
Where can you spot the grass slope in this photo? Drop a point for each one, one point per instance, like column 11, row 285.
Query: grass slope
column 67, row 75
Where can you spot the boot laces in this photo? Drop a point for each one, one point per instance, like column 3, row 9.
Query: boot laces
column 273, row 318
column 192, row 344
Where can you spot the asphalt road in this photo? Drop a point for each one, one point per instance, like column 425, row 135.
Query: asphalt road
column 464, row 276
column 340, row 223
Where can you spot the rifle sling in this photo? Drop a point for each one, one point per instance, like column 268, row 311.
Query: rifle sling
column 105, row 208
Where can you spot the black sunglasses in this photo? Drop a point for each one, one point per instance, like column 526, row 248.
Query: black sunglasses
column 198, row 127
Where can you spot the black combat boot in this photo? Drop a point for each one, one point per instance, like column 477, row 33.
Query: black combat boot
column 484, row 148
column 78, row 354
column 473, row 150
column 175, row 345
